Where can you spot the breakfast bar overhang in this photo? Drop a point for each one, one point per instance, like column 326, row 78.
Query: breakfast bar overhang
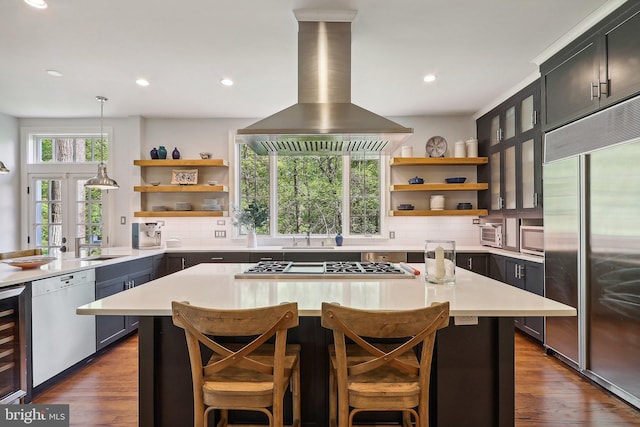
column 472, row 380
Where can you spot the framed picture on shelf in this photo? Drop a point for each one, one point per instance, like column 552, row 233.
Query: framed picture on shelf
column 184, row 176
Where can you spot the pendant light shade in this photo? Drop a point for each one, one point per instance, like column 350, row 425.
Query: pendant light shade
column 3, row 168
column 101, row 181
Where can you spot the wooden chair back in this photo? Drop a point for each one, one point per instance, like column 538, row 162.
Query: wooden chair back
column 20, row 254
column 370, row 375
column 208, row 326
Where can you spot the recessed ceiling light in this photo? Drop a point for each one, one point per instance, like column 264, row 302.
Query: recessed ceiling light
column 429, row 78
column 54, row 73
column 40, row 4
column 142, row 82
column 227, row 82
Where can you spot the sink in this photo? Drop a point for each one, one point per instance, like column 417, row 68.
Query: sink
column 308, row 247
column 101, row 257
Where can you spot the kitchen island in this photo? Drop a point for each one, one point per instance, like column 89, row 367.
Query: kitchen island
column 473, row 368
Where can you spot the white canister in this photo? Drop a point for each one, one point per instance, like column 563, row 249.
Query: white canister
column 437, row 202
column 406, row 151
column 472, row 147
column 460, row 149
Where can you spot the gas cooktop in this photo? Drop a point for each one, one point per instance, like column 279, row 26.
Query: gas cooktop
column 328, row 269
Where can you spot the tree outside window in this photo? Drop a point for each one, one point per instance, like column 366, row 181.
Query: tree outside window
column 310, row 191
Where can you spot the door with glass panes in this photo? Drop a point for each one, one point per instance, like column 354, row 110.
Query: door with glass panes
column 63, row 210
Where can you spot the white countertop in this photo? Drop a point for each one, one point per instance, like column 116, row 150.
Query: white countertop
column 215, row 285
column 67, row 263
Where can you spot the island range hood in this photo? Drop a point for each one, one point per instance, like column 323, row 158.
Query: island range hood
column 324, row 121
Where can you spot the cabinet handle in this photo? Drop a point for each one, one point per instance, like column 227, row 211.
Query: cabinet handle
column 534, row 118
column 183, row 262
column 535, row 200
column 521, row 271
column 604, row 90
column 217, row 258
column 500, row 202
column 470, row 263
column 266, row 258
column 595, row 86
column 515, row 271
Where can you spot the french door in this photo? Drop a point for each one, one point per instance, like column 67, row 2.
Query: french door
column 61, row 210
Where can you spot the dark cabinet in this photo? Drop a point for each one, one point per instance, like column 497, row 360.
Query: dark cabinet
column 180, row 261
column 305, row 256
column 111, row 280
column 570, row 84
column 597, row 70
column 525, row 275
column 266, row 256
column 476, row 262
column 511, row 137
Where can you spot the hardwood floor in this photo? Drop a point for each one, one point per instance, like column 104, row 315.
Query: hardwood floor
column 102, row 393
column 548, row 394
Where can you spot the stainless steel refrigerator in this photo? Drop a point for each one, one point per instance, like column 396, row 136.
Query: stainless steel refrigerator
column 591, row 181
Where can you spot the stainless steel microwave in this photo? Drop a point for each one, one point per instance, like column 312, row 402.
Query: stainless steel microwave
column 532, row 239
column 491, row 235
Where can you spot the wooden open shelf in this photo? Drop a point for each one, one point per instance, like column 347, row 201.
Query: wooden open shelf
column 178, row 213
column 434, row 161
column 440, row 187
column 182, row 162
column 180, row 188
column 448, row 212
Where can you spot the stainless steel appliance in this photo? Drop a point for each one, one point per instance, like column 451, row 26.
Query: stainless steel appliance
column 491, row 235
column 326, row 269
column 146, row 235
column 532, row 239
column 13, row 367
column 324, row 120
column 592, row 245
column 60, row 337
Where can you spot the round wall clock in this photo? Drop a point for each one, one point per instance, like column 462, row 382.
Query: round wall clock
column 436, row 146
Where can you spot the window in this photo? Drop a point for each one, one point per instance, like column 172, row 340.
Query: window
column 320, row 194
column 61, row 209
column 73, row 149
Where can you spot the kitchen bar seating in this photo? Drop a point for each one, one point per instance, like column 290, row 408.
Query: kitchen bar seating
column 369, row 376
column 251, row 376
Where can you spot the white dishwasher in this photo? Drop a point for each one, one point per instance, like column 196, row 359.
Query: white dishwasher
column 60, row 337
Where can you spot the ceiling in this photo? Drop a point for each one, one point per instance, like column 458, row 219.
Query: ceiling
column 478, row 50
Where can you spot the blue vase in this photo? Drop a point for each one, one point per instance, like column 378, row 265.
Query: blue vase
column 162, row 152
column 339, row 239
column 175, row 153
column 154, row 153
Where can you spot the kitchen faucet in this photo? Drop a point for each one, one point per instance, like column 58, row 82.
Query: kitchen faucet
column 308, row 238
column 85, row 245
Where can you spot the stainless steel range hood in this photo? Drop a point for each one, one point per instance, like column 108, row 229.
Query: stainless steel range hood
column 324, row 121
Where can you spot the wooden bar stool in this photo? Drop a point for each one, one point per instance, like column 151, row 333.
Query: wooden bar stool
column 369, row 376
column 244, row 377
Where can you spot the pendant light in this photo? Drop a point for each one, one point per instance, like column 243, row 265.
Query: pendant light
column 3, row 168
column 102, row 181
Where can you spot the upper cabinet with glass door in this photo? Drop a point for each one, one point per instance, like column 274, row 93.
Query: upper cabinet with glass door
column 511, row 136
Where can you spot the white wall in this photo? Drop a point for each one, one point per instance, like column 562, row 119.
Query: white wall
column 9, row 185
column 133, row 138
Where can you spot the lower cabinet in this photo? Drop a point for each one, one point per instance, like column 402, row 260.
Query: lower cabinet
column 115, row 278
column 180, row 261
column 305, row 256
column 476, row 262
column 525, row 275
